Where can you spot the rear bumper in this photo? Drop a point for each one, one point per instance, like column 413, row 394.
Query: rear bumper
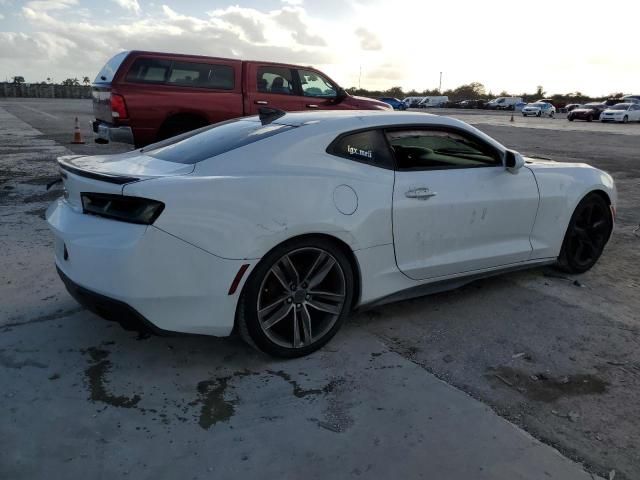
column 109, row 308
column 105, row 133
column 130, row 271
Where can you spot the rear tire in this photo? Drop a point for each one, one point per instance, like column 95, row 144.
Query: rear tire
column 587, row 234
column 625, row 119
column 297, row 298
column 590, row 118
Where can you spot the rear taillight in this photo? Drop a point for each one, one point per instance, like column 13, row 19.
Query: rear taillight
column 118, row 107
column 120, row 207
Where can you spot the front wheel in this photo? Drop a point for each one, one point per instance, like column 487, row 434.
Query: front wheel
column 570, row 118
column 587, row 234
column 625, row 119
column 297, row 298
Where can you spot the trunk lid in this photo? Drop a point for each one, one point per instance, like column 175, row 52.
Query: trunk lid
column 110, row 173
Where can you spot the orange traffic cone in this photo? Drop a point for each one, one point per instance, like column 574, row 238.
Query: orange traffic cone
column 512, row 118
column 77, row 136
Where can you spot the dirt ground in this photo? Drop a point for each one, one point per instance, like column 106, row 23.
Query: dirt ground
column 556, row 354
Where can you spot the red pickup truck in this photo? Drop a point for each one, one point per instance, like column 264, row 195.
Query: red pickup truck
column 142, row 97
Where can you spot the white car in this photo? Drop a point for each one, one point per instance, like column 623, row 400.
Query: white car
column 280, row 226
column 539, row 109
column 621, row 112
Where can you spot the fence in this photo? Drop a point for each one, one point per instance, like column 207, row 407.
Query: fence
column 35, row 90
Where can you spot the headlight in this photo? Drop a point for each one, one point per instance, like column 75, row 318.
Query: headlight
column 120, row 207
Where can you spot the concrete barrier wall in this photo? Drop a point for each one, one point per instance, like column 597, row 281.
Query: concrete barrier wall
column 34, row 90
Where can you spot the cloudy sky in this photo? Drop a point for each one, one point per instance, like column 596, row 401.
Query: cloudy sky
column 508, row 45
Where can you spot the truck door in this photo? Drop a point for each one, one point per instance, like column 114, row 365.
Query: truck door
column 270, row 86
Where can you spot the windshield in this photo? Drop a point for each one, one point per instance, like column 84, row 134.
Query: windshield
column 538, row 104
column 213, row 140
column 110, row 68
column 620, row 106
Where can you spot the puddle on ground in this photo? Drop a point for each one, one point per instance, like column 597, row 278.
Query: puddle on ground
column 96, row 374
column 546, row 388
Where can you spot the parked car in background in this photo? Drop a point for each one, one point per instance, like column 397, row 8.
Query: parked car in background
column 503, row 103
column 631, row 99
column 588, row 112
column 622, row 112
column 572, row 106
column 199, row 233
column 539, row 109
column 433, row 101
column 142, row 97
column 610, row 102
column 412, row 102
column 394, row 102
column 473, row 104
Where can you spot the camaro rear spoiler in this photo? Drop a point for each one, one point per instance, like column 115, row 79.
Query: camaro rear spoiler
column 65, row 163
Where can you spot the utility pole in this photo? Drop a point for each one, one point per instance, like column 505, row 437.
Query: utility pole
column 440, row 86
column 359, row 77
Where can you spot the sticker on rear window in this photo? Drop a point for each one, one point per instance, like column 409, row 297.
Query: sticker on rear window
column 360, row 152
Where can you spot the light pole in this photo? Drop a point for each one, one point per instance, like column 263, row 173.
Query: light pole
column 440, row 86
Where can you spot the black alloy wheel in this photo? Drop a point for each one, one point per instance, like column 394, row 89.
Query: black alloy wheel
column 587, row 234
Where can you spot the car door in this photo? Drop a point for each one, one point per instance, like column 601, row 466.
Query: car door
column 456, row 208
column 272, row 86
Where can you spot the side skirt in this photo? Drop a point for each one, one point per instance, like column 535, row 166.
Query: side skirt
column 438, row 286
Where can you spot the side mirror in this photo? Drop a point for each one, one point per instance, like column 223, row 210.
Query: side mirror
column 513, row 161
column 340, row 95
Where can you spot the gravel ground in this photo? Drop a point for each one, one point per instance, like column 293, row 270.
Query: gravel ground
column 555, row 354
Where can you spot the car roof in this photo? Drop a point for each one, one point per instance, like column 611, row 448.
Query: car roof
column 364, row 118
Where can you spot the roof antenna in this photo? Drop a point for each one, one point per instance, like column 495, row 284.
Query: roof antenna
column 268, row 115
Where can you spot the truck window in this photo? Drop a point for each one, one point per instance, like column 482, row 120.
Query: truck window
column 202, row 75
column 315, row 85
column 148, row 70
column 275, row 80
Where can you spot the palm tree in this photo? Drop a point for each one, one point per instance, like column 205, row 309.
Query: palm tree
column 86, row 80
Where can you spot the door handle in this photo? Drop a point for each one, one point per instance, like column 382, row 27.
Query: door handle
column 261, row 102
column 311, row 105
column 421, row 193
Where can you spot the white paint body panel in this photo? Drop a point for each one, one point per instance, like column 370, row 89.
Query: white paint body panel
column 234, row 208
column 478, row 218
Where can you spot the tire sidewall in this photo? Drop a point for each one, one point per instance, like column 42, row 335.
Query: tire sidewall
column 566, row 262
column 247, row 305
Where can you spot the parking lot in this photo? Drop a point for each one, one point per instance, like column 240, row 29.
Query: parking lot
column 488, row 381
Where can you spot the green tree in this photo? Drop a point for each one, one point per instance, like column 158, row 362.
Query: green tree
column 18, row 80
column 86, row 80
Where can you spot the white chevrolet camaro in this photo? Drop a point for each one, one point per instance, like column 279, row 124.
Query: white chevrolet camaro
column 279, row 226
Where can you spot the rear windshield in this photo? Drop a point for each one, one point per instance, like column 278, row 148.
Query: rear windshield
column 193, row 147
column 111, row 67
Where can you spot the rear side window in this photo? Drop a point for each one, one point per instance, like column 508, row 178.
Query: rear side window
column 193, row 147
column 368, row 146
column 149, row 70
column 111, row 67
column 202, row 75
column 188, row 74
column 272, row 79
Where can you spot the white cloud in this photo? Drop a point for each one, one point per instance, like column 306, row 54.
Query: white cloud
column 130, row 5
column 62, row 41
column 368, row 40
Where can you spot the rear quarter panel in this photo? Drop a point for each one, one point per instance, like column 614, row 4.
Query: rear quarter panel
column 241, row 204
column 562, row 186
